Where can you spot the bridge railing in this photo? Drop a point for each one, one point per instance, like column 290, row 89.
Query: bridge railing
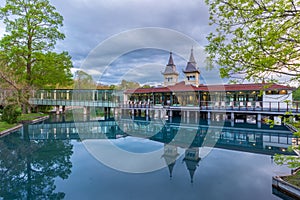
column 267, row 106
column 270, row 106
column 58, row 102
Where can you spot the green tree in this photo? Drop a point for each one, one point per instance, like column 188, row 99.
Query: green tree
column 53, row 70
column 27, row 63
column 296, row 94
column 255, row 40
column 128, row 85
column 11, row 113
column 146, row 86
column 84, row 81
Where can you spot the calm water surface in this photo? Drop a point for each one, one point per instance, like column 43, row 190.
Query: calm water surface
column 49, row 161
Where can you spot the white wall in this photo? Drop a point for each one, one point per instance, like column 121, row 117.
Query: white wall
column 277, row 98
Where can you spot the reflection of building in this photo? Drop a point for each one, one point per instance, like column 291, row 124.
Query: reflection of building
column 170, row 155
column 191, row 160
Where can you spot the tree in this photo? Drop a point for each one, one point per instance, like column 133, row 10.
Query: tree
column 128, row 85
column 146, row 86
column 53, row 70
column 32, row 30
column 84, row 81
column 257, row 39
column 296, row 94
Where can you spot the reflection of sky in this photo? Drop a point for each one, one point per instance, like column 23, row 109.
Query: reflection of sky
column 137, row 145
column 223, row 174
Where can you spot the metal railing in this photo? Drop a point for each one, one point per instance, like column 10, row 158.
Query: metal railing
column 266, row 106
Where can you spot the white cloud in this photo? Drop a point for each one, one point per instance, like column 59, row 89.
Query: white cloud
column 88, row 23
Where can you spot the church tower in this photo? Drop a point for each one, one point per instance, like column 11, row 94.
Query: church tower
column 170, row 73
column 191, row 71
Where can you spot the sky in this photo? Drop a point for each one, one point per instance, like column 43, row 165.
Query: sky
column 131, row 39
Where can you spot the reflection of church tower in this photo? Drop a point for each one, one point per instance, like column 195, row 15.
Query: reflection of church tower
column 191, row 71
column 170, row 73
column 170, row 155
column 191, row 160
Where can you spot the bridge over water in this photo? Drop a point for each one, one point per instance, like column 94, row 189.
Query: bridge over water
column 115, row 102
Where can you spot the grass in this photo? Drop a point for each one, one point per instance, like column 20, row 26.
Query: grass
column 293, row 179
column 30, row 116
column 4, row 126
column 24, row 117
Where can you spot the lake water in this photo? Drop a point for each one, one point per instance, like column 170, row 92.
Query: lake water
column 67, row 160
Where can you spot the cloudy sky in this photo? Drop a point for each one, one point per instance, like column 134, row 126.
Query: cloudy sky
column 131, row 39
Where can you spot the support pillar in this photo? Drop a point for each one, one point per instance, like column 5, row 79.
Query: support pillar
column 232, row 116
column 170, row 116
column 208, row 115
column 258, row 120
column 63, row 109
column 224, row 117
column 162, row 114
column 259, row 117
column 208, row 118
column 57, row 110
column 132, row 114
column 108, row 112
column 86, row 110
column 187, row 116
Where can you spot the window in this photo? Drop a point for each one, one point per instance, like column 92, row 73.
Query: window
column 283, row 92
column 272, row 92
column 169, row 79
column 191, row 78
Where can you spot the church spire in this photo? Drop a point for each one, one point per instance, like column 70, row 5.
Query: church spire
column 170, row 73
column 191, row 71
column 171, row 62
column 192, row 59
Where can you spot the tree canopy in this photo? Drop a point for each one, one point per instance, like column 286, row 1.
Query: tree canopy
column 84, row 81
column 26, row 50
column 257, row 39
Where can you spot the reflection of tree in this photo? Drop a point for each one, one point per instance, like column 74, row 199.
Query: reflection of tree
column 28, row 168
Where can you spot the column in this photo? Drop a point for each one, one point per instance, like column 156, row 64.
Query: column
column 258, row 120
column 170, row 116
column 196, row 116
column 208, row 118
column 187, row 116
column 232, row 116
column 63, row 109
column 57, row 110
column 86, row 110
column 132, row 114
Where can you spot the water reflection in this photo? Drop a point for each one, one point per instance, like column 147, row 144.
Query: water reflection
column 28, row 168
column 33, row 159
column 264, row 141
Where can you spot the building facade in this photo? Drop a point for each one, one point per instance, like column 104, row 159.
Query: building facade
column 191, row 92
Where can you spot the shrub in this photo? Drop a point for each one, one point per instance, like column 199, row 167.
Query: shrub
column 11, row 113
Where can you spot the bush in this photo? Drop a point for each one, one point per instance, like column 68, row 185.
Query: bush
column 11, row 113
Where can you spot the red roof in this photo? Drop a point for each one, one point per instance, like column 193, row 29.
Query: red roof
column 181, row 86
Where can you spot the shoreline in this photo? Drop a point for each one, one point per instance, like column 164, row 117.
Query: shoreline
column 10, row 130
column 20, row 125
